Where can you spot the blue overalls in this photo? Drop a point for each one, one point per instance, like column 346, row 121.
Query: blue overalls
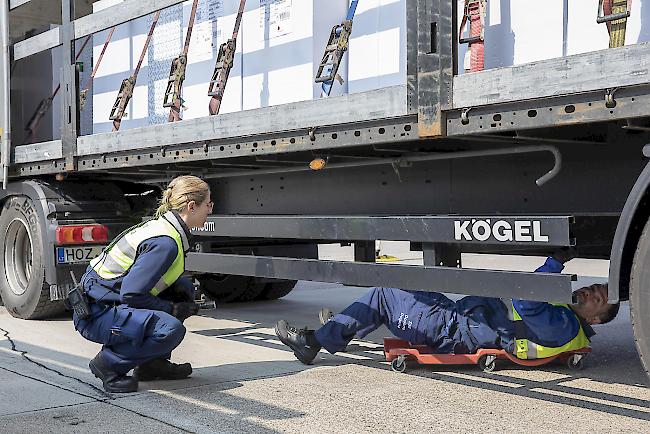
column 133, row 325
column 422, row 318
column 430, row 318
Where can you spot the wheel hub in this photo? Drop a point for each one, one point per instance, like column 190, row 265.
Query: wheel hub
column 18, row 256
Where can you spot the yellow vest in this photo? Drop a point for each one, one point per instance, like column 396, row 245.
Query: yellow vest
column 527, row 349
column 117, row 258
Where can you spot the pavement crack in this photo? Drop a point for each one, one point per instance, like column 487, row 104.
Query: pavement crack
column 146, row 416
column 107, row 397
column 41, row 365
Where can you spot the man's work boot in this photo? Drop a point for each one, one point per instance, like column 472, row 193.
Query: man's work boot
column 325, row 315
column 113, row 382
column 303, row 343
column 162, row 369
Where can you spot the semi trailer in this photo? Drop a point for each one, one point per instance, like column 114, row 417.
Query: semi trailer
column 510, row 156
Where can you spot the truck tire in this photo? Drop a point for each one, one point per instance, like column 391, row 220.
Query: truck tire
column 252, row 291
column 278, row 289
column 228, row 289
column 225, row 289
column 22, row 276
column 640, row 297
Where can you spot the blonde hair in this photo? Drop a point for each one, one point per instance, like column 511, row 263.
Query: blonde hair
column 181, row 191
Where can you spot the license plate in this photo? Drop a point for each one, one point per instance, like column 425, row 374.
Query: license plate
column 77, row 255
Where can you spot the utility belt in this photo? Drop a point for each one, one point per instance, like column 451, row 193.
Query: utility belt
column 80, row 302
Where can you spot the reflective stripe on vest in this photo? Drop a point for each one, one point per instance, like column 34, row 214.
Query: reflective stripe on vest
column 118, row 258
column 527, row 349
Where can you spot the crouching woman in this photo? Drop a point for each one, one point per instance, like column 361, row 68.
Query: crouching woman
column 137, row 296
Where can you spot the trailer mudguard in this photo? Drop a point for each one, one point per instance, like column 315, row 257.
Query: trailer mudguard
column 630, row 225
column 39, row 194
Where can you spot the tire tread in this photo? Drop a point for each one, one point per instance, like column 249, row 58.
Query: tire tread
column 641, row 338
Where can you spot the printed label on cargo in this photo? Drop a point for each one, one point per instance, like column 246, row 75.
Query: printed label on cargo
column 206, row 35
column 276, row 18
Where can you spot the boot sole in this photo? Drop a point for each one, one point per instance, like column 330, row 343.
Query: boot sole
column 108, row 388
column 158, row 378
column 296, row 350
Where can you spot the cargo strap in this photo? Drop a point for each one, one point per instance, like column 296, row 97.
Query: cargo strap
column 225, row 61
column 45, row 104
column 615, row 14
column 337, row 45
column 474, row 13
column 126, row 88
column 84, row 93
column 173, row 93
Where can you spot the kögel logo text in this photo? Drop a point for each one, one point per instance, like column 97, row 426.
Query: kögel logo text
column 501, row 231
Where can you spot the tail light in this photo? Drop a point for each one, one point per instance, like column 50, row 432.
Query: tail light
column 81, row 234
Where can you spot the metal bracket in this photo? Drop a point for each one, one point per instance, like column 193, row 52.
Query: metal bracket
column 610, row 102
column 123, row 97
column 312, row 133
column 83, row 96
column 464, row 119
column 602, row 18
column 175, row 81
column 225, row 61
column 337, row 45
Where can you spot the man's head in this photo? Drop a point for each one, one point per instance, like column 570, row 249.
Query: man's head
column 591, row 304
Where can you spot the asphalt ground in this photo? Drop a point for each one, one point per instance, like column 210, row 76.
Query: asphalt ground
column 245, row 380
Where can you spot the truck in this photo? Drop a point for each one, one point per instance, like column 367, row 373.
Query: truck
column 519, row 157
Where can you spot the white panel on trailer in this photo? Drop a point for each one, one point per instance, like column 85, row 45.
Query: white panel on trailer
column 524, row 31
column 279, row 47
column 284, row 41
column 214, row 24
column 281, row 43
column 120, row 59
column 585, row 34
column 377, row 56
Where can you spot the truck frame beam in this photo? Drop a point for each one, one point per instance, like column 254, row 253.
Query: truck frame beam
column 555, row 230
column 504, row 284
column 576, row 109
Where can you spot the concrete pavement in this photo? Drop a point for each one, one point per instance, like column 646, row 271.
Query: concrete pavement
column 246, row 381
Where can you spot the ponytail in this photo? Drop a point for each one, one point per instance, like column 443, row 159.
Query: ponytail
column 180, row 192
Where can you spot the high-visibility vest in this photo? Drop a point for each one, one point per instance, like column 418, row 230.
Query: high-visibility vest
column 527, row 349
column 117, row 259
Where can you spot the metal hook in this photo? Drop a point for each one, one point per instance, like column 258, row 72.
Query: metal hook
column 312, row 133
column 610, row 102
column 464, row 119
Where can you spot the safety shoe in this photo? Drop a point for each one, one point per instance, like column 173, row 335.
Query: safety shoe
column 162, row 369
column 325, row 315
column 112, row 381
column 302, row 341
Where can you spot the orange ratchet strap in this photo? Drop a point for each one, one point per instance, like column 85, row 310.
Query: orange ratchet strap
column 474, row 12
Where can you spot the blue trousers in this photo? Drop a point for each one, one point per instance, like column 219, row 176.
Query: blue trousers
column 422, row 318
column 131, row 337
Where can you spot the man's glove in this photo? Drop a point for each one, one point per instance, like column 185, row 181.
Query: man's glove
column 565, row 254
column 184, row 310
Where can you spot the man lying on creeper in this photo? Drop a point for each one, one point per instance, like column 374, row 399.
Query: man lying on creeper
column 527, row 329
